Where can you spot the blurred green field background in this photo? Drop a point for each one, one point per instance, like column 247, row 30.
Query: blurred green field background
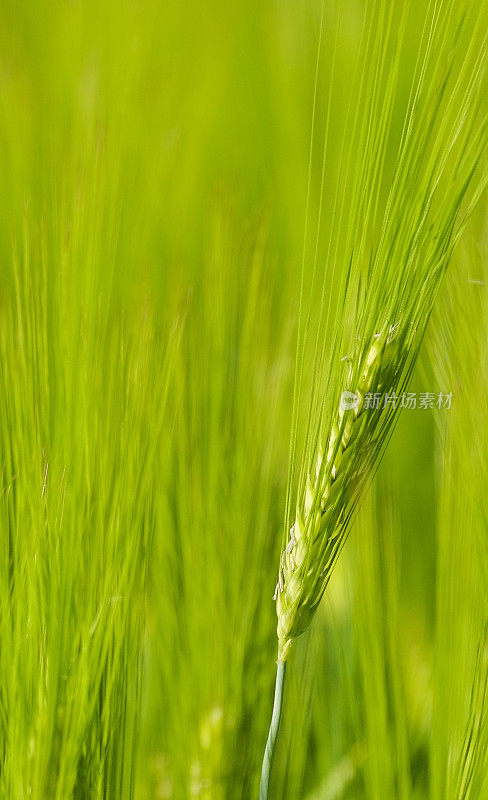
column 154, row 160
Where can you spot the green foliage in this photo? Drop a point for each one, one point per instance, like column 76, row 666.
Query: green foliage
column 156, row 175
column 394, row 253
column 83, row 395
column 460, row 708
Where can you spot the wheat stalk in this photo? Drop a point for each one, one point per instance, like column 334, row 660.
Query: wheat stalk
column 384, row 273
column 330, row 494
column 331, row 489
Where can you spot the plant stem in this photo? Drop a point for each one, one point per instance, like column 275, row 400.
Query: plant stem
column 273, row 731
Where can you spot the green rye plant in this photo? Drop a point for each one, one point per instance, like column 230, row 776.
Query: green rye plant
column 390, row 240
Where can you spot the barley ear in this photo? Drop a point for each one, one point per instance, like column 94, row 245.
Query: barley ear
column 319, row 530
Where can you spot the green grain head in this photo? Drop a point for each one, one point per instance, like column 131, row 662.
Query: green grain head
column 318, row 532
column 367, row 295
